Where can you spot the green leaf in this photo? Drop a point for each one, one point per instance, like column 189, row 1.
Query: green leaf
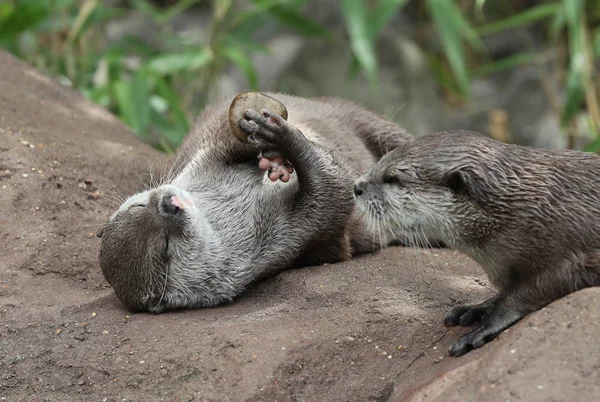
column 83, row 16
column 557, row 24
column 448, row 29
column 577, row 60
column 174, row 101
column 243, row 62
column 522, row 18
column 6, row 9
column 291, row 19
column 463, row 26
column 381, row 15
column 443, row 75
column 356, row 17
column 596, row 43
column 171, row 132
column 133, row 100
column 479, row 4
column 506, row 63
column 163, row 16
column 169, row 63
column 24, row 16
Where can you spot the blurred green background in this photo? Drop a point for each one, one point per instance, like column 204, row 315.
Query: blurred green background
column 519, row 71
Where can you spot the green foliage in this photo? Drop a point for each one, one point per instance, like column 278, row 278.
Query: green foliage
column 157, row 89
column 147, row 86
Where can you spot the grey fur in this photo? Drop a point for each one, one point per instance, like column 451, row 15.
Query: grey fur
column 241, row 226
column 529, row 217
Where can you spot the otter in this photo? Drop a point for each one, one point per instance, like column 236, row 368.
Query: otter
column 224, row 219
column 528, row 216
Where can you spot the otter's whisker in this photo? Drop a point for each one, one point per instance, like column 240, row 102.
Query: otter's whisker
column 146, row 186
column 117, row 194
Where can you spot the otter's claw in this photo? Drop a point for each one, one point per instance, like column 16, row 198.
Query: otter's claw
column 266, row 130
column 465, row 315
column 495, row 317
column 472, row 340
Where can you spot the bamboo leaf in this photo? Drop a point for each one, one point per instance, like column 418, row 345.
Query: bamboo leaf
column 505, row 63
column 175, row 107
column 169, row 63
column 6, row 9
column 525, row 17
column 83, row 16
column 297, row 22
column 596, row 43
column 26, row 15
column 557, row 24
column 133, row 100
column 163, row 16
column 382, row 14
column 449, row 34
column 259, row 9
column 577, row 59
column 463, row 26
column 243, row 62
column 355, row 15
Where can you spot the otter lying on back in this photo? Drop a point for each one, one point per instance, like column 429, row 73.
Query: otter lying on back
column 201, row 238
column 529, row 217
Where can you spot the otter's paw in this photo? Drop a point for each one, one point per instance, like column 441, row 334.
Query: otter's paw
column 496, row 320
column 277, row 167
column 269, row 131
column 466, row 315
column 473, row 340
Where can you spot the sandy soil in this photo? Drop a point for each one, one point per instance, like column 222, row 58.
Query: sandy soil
column 367, row 330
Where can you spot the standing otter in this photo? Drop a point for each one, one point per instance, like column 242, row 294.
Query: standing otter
column 529, row 217
column 219, row 224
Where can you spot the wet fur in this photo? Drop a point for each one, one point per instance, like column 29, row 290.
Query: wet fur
column 242, row 226
column 528, row 216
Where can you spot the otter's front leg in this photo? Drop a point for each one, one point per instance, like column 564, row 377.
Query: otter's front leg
column 315, row 166
column 322, row 204
column 520, row 299
column 465, row 315
column 500, row 314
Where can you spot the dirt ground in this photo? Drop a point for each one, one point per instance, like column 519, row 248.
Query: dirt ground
column 367, row 330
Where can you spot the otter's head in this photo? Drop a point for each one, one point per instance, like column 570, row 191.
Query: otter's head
column 148, row 244
column 427, row 188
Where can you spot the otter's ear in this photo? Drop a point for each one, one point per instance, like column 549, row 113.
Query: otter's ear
column 99, row 233
column 457, row 181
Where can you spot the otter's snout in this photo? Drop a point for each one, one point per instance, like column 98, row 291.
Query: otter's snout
column 173, row 202
column 359, row 187
column 168, row 205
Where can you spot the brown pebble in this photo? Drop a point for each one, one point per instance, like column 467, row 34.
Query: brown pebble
column 252, row 100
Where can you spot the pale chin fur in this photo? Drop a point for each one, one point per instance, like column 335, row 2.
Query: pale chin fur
column 390, row 210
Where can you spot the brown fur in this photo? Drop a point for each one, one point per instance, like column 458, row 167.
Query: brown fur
column 528, row 216
column 242, row 227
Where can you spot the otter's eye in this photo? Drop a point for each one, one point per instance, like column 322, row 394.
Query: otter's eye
column 138, row 206
column 167, row 245
column 391, row 179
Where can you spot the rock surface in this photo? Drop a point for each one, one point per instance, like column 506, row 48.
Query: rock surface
column 369, row 329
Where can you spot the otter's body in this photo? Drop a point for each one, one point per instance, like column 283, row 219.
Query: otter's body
column 528, row 216
column 219, row 224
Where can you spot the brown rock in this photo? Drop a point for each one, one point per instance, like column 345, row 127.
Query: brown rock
column 284, row 329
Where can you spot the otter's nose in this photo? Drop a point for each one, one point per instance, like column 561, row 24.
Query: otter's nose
column 168, row 206
column 358, row 188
